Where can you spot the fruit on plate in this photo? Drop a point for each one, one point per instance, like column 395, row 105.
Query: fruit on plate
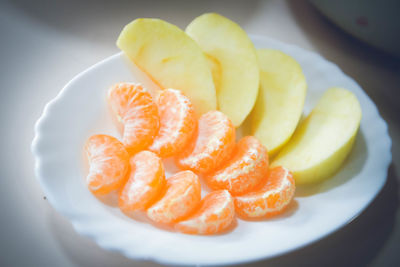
column 212, row 144
column 220, row 64
column 215, row 214
column 182, row 195
column 271, row 198
column 280, row 100
column 323, row 140
column 177, row 123
column 109, row 164
column 135, row 109
column 233, row 61
column 246, row 168
column 144, row 184
column 171, row 58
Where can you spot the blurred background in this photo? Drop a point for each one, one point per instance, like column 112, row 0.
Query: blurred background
column 45, row 43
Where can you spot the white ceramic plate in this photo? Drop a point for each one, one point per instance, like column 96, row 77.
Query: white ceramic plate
column 80, row 111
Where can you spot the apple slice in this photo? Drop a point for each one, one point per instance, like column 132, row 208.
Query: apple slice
column 233, row 62
column 171, row 58
column 324, row 139
column 280, row 100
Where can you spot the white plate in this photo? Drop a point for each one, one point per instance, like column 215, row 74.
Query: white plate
column 80, row 111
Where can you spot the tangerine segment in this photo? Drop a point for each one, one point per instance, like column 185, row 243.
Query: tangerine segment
column 135, row 109
column 216, row 213
column 177, row 123
column 145, row 183
column 245, row 169
column 182, row 195
column 271, row 198
column 109, row 164
column 211, row 146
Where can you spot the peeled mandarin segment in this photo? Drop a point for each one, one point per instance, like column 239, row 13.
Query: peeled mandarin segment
column 109, row 164
column 182, row 196
column 177, row 123
column 244, row 171
column 215, row 214
column 271, row 198
column 135, row 109
column 145, row 183
column 212, row 144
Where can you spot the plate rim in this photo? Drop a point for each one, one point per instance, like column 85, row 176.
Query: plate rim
column 38, row 154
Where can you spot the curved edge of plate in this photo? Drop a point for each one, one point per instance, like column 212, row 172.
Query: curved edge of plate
column 39, row 149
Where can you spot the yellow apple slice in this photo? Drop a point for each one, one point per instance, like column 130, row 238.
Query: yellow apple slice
column 280, row 99
column 171, row 58
column 324, row 139
column 233, row 62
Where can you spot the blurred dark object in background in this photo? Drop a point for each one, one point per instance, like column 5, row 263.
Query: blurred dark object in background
column 372, row 21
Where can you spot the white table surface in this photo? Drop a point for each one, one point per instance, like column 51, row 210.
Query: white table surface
column 46, row 43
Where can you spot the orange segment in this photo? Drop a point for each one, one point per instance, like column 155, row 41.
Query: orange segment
column 177, row 123
column 109, row 164
column 215, row 214
column 145, row 183
column 135, row 109
column 182, row 195
column 245, row 169
column 271, row 198
column 212, row 144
